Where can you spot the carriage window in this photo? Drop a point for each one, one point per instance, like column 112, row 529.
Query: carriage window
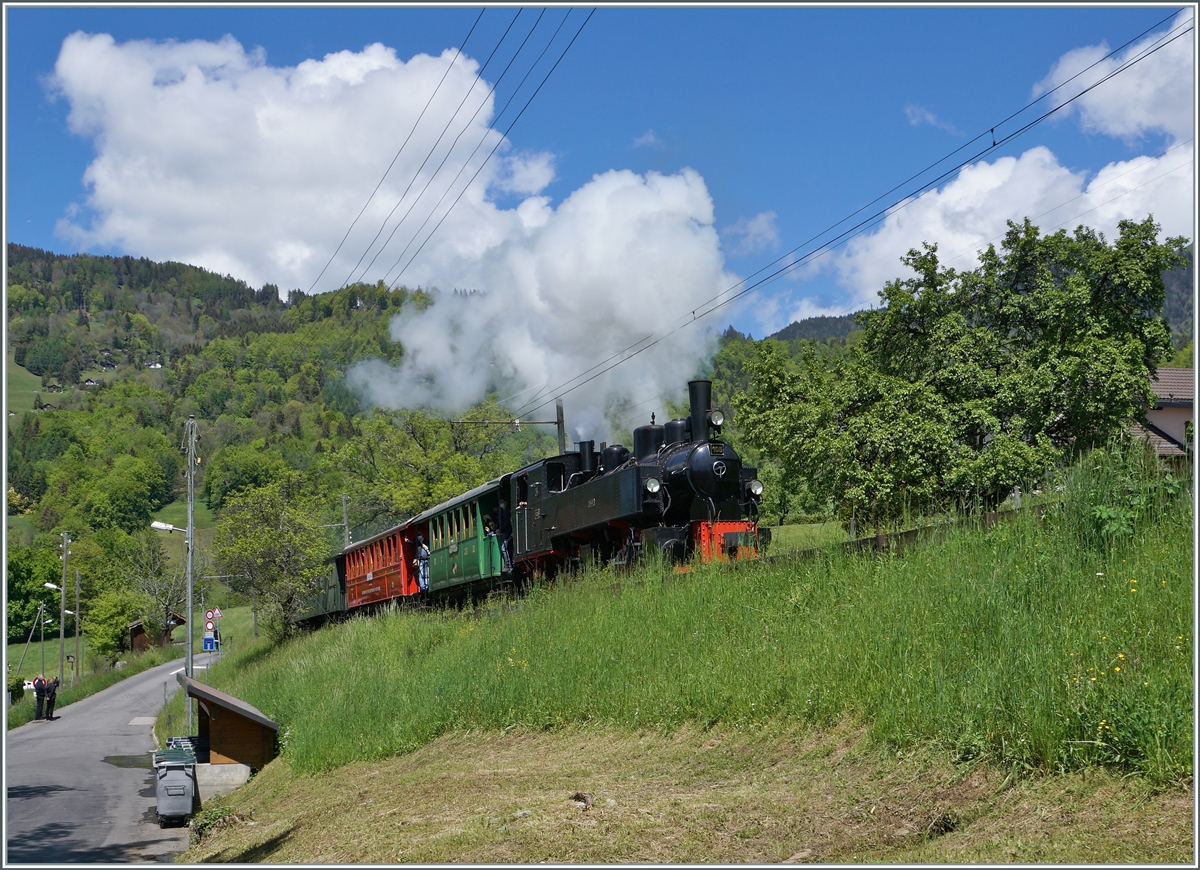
column 522, row 489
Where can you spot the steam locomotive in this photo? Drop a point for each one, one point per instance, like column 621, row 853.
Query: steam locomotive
column 680, row 492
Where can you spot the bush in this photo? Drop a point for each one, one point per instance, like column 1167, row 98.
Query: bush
column 1114, row 491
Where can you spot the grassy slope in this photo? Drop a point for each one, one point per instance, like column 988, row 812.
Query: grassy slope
column 993, row 653
column 999, row 644
column 20, row 387
column 724, row 795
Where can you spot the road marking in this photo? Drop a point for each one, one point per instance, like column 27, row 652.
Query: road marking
column 142, row 720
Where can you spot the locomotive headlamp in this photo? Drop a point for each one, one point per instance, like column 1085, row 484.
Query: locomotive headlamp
column 653, row 485
column 716, row 417
column 756, row 487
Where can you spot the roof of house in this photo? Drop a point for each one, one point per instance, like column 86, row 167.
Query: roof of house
column 1174, row 387
column 213, row 696
column 180, row 619
column 1161, row 445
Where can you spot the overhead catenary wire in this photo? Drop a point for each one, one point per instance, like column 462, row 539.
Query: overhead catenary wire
column 450, row 150
column 708, row 307
column 503, row 138
column 433, row 148
column 633, row 350
column 627, row 413
column 428, row 103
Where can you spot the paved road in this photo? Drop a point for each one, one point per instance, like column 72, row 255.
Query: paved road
column 66, row 804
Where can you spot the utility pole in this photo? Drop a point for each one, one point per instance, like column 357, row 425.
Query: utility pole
column 189, row 438
column 62, row 606
column 29, row 640
column 345, row 521
column 78, row 660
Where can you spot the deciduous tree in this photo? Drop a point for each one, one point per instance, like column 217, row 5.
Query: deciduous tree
column 966, row 384
column 270, row 542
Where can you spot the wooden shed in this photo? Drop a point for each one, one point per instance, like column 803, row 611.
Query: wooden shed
column 237, row 732
column 140, row 640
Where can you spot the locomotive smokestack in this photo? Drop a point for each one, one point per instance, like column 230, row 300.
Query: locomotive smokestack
column 700, row 394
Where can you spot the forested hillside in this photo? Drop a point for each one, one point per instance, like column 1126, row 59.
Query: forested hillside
column 110, row 356
column 126, row 350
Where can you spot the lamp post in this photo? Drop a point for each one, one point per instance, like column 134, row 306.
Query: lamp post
column 62, row 607
column 187, row 542
column 42, row 637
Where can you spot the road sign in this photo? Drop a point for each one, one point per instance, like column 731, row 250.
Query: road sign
column 208, row 626
column 210, row 644
column 217, row 613
column 208, row 614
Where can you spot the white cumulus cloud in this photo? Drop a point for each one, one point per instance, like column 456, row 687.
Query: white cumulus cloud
column 966, row 214
column 207, row 154
column 1152, row 95
column 755, row 234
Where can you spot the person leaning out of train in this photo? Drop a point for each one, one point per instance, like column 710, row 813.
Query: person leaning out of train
column 421, row 563
column 504, row 529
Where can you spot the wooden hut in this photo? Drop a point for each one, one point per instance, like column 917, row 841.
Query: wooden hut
column 237, row 732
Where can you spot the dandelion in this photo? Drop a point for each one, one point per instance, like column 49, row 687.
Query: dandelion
column 1116, row 669
column 1120, row 655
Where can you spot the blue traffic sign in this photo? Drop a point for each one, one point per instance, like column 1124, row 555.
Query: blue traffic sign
column 210, row 644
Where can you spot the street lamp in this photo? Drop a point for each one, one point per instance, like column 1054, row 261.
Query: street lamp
column 187, row 540
column 62, row 606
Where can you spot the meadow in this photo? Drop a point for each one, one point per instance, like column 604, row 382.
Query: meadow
column 1044, row 644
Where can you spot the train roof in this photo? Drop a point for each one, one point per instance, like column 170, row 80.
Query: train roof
column 456, row 501
column 425, row 515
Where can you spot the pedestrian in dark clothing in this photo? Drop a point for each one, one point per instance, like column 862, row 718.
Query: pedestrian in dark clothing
column 39, row 693
column 51, row 696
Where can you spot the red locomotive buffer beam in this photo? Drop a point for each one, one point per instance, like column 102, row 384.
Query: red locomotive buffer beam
column 724, row 541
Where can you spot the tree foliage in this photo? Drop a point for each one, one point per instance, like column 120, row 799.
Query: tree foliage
column 966, row 384
column 163, row 588
column 270, row 543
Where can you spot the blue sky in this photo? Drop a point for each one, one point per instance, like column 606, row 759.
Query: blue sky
column 723, row 137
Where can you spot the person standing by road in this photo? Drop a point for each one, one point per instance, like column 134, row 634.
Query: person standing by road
column 39, row 693
column 51, row 697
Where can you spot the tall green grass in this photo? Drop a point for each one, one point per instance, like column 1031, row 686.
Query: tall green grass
column 1025, row 644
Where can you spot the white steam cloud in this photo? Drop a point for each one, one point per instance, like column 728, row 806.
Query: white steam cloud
column 612, row 265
